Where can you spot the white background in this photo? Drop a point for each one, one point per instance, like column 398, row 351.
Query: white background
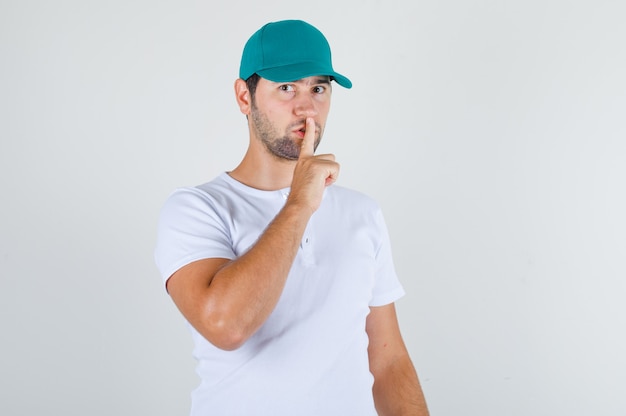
column 492, row 132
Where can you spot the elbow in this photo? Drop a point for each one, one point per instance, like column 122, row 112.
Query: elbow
column 224, row 333
column 226, row 338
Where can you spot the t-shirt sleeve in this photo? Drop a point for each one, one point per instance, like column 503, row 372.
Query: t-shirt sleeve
column 190, row 228
column 387, row 287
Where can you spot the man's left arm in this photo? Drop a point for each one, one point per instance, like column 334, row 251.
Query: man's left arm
column 397, row 390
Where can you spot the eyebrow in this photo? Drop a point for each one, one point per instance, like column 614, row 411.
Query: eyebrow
column 315, row 80
column 322, row 80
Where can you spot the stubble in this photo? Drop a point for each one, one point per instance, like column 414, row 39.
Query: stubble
column 279, row 145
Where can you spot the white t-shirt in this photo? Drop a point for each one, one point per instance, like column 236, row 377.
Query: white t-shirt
column 310, row 356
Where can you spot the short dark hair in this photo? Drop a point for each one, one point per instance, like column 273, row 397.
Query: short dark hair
column 251, row 83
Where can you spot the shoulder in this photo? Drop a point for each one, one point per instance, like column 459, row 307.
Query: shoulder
column 196, row 201
column 207, row 193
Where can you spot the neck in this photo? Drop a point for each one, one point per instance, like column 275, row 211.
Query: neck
column 261, row 170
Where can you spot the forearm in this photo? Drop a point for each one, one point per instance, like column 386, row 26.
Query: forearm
column 244, row 292
column 397, row 391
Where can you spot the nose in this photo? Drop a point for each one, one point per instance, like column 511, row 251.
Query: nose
column 305, row 106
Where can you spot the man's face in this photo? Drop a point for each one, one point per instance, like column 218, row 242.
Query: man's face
column 279, row 111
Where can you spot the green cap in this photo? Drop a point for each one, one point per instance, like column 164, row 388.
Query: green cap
column 286, row 51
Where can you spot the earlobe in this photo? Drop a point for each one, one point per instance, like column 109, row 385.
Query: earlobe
column 242, row 95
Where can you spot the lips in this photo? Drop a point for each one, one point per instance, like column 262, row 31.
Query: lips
column 299, row 129
column 300, row 132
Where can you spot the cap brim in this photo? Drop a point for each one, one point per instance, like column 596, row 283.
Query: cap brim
column 295, row 72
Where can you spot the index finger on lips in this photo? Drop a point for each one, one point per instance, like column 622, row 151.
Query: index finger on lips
column 307, row 147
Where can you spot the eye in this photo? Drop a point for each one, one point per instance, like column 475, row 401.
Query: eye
column 319, row 89
column 286, row 88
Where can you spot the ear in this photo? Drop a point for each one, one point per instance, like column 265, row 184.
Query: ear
column 242, row 95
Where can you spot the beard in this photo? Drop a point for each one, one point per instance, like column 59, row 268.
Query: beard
column 280, row 145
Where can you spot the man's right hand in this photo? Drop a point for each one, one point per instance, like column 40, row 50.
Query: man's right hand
column 312, row 173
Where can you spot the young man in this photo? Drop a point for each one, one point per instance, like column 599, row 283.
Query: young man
column 286, row 279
